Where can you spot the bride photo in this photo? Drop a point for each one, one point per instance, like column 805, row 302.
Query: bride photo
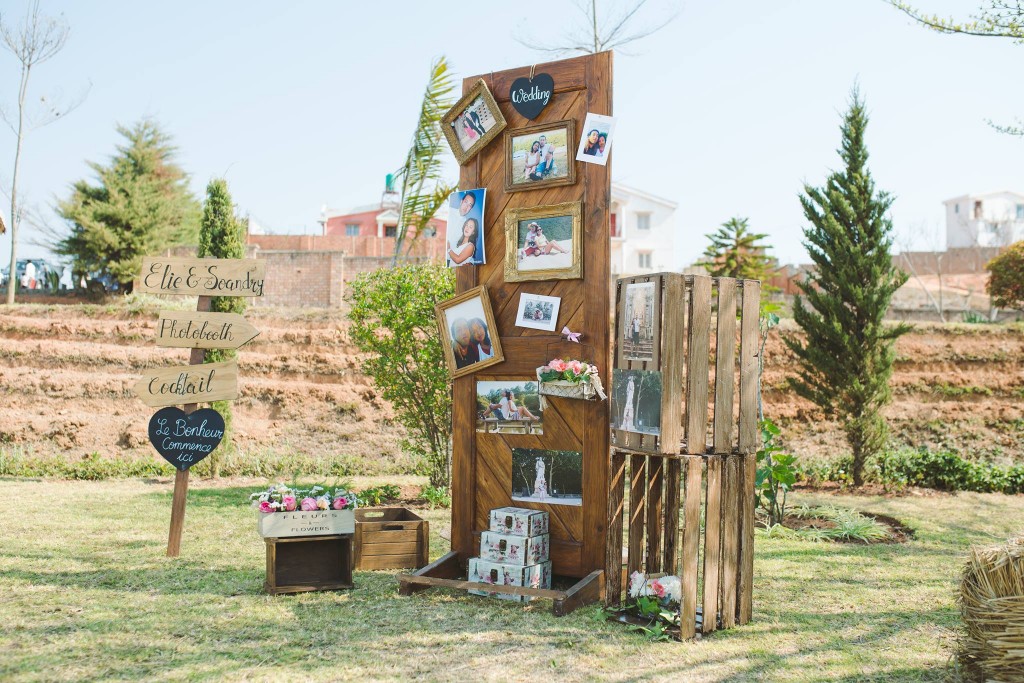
column 551, row 477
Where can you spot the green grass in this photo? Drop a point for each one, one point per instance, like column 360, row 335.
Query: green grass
column 86, row 593
column 850, row 524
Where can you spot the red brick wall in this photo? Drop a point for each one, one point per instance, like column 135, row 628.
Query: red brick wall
column 429, row 247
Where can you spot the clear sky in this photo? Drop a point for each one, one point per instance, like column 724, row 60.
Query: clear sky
column 727, row 111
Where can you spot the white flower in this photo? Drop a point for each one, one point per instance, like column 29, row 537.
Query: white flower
column 673, row 588
column 637, row 584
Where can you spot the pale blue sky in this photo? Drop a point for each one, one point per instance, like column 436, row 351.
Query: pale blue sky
column 726, row 111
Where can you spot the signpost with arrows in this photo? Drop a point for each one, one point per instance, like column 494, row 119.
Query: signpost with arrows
column 175, row 436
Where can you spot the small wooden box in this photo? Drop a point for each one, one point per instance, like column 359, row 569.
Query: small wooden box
column 308, row 563
column 391, row 538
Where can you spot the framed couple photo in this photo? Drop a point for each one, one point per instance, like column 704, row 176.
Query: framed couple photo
column 468, row 332
column 539, row 156
column 544, row 243
column 473, row 122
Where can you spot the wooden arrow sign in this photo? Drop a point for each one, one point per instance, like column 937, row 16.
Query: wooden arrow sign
column 189, row 384
column 202, row 276
column 197, row 330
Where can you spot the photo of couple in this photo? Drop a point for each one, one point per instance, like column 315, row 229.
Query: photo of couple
column 596, row 141
column 468, row 333
column 538, row 312
column 539, row 155
column 473, row 122
column 509, row 406
column 465, row 228
column 543, row 243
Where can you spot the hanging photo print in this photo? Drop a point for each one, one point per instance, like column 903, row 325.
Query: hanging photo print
column 636, row 401
column 596, row 139
column 509, row 407
column 638, row 330
column 544, row 243
column 466, row 228
column 468, row 333
column 550, row 477
column 539, row 156
column 538, row 312
column 474, row 121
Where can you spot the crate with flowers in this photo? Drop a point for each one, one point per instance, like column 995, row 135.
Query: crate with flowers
column 653, row 605
column 568, row 378
column 284, row 511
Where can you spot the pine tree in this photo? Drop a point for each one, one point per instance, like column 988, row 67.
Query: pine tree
column 221, row 235
column 847, row 357
column 141, row 206
column 735, row 252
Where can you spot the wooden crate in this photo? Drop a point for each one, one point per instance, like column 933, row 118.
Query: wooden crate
column 308, row 563
column 391, row 538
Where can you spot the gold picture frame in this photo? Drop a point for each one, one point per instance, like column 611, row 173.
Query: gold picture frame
column 511, row 184
column 517, row 245
column 479, row 90
column 465, row 311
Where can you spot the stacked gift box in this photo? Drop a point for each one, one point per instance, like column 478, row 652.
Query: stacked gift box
column 513, row 552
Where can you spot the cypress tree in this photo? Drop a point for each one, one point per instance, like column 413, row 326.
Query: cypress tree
column 847, row 356
column 221, row 235
column 737, row 252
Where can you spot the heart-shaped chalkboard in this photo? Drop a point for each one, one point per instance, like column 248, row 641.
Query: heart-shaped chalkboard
column 185, row 439
column 529, row 97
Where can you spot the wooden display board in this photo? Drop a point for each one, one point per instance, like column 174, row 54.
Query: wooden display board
column 482, row 462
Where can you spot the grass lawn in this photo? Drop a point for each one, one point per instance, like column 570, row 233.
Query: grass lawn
column 86, row 593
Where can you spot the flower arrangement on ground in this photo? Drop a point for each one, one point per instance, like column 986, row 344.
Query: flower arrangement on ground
column 570, row 379
column 653, row 605
column 281, row 498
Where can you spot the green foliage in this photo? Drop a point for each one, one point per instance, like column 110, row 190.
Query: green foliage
column 1006, row 284
column 221, row 235
column 394, row 324
column 437, row 497
column 737, row 252
column 847, row 357
column 850, row 525
column 775, row 475
column 140, row 206
column 947, row 471
column 375, row 495
column 424, row 191
column 1000, row 19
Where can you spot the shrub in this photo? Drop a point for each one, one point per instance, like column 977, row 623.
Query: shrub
column 775, row 474
column 947, row 471
column 375, row 495
column 1006, row 286
column 437, row 497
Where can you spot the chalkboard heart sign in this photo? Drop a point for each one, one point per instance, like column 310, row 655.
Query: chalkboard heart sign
column 185, row 439
column 530, row 96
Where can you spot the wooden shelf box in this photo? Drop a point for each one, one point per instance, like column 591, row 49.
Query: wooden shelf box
column 309, row 563
column 391, row 538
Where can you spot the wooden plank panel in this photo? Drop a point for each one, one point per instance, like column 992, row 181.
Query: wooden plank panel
column 698, row 350
column 746, row 561
column 730, row 539
column 655, row 470
column 673, row 334
column 613, row 552
column 691, row 538
column 399, row 536
column 725, row 365
column 712, row 540
column 749, row 441
column 670, row 562
column 637, row 511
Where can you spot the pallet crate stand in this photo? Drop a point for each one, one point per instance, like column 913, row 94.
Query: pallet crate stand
column 299, row 564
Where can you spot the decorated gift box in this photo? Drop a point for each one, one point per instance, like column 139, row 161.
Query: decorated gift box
column 531, row 576
column 515, row 521
column 517, row 550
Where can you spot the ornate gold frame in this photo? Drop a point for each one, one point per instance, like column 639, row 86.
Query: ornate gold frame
column 512, row 220
column 446, row 341
column 479, row 89
column 570, row 157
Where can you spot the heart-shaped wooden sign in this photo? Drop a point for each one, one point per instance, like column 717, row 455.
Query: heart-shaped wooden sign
column 530, row 96
column 185, row 439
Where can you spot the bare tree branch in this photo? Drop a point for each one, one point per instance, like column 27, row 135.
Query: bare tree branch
column 598, row 31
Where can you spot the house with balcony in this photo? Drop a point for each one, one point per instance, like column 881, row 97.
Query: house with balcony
column 994, row 219
column 643, row 232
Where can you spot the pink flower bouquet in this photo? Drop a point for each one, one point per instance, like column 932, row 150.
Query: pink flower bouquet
column 570, row 379
column 281, row 498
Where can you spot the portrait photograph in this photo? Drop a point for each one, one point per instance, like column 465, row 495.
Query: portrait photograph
column 596, row 139
column 473, row 122
column 544, row 243
column 636, row 401
column 549, row 477
column 538, row 312
column 509, row 407
column 468, row 333
column 466, row 228
column 539, row 156
column 638, row 322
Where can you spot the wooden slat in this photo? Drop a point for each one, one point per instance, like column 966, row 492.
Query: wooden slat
column 613, row 552
column 399, row 536
column 377, row 562
column 749, row 442
column 670, row 563
column 637, row 512
column 725, row 365
column 730, row 540
column 655, row 468
column 586, row 590
column 674, row 336
column 746, row 562
column 445, row 567
column 712, row 540
column 691, row 538
column 697, row 366
column 429, row 581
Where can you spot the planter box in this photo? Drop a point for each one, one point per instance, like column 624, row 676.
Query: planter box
column 533, row 576
column 514, row 550
column 391, row 538
column 308, row 563
column 298, row 523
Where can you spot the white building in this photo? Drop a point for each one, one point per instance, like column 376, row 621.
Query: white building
column 643, row 232
column 995, row 219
